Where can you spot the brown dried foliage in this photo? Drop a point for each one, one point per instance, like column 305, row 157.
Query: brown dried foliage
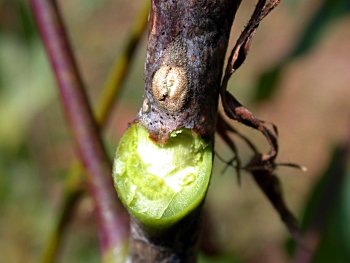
column 261, row 166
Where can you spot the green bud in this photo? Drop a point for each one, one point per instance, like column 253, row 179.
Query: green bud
column 160, row 184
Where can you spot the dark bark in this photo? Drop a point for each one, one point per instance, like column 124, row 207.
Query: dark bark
column 187, row 44
column 191, row 38
column 176, row 245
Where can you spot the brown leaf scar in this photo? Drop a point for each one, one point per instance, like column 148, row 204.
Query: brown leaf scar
column 170, row 82
column 169, row 87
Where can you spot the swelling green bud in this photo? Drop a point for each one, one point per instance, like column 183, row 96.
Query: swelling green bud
column 160, row 184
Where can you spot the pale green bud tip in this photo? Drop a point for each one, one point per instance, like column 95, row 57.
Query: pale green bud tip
column 160, row 184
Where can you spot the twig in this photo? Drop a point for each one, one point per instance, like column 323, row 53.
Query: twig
column 222, row 129
column 270, row 185
column 109, row 96
column 228, row 127
column 108, row 99
column 186, row 46
column 73, row 194
column 111, row 220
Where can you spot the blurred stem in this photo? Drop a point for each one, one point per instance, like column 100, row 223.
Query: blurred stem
column 112, row 226
column 110, row 92
column 73, row 193
column 121, row 67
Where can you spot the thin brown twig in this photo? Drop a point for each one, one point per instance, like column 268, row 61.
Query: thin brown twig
column 233, row 130
column 222, row 130
column 73, row 192
column 111, row 219
column 270, row 185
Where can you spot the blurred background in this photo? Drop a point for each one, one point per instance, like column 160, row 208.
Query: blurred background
column 297, row 76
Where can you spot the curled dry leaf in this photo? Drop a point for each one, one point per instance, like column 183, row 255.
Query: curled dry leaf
column 233, row 109
column 261, row 166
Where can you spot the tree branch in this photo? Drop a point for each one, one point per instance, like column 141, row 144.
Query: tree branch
column 187, row 43
column 190, row 39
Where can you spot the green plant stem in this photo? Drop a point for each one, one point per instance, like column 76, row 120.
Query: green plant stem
column 73, row 193
column 110, row 92
column 110, row 216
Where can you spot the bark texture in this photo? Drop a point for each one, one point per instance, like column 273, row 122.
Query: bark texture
column 178, row 244
column 187, row 44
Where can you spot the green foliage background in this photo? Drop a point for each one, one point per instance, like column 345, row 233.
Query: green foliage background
column 297, row 76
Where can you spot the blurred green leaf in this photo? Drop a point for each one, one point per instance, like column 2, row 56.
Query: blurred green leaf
column 16, row 21
column 327, row 212
column 27, row 24
column 335, row 245
column 267, row 83
column 27, row 87
column 316, row 28
column 344, row 213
